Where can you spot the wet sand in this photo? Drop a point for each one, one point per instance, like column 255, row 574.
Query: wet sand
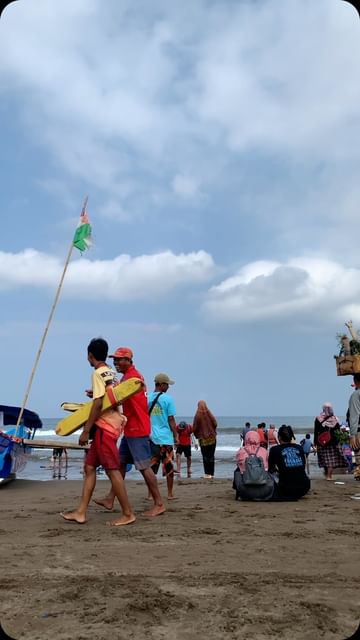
column 209, row 568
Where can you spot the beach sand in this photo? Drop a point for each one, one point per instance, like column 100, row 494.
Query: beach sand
column 210, row 568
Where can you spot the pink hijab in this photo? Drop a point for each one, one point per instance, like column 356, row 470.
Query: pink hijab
column 252, row 445
column 327, row 417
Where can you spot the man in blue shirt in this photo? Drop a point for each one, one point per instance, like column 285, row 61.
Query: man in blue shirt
column 163, row 429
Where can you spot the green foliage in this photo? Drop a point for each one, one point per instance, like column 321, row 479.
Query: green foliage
column 354, row 347
column 354, row 344
column 342, row 436
column 339, row 338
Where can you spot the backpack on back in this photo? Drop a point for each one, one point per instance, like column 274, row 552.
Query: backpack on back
column 254, row 472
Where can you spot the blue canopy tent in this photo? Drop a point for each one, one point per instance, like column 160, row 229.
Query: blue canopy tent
column 29, row 419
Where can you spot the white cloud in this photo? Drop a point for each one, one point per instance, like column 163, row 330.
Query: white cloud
column 185, row 186
column 303, row 287
column 122, row 278
column 114, row 210
column 113, row 89
column 124, row 98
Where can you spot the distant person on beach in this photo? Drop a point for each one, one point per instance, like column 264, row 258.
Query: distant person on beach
column 272, row 436
column 244, row 431
column 57, row 462
column 186, row 438
column 164, row 434
column 204, row 428
column 104, row 430
column 57, row 452
column 135, row 443
column 261, row 430
column 354, row 423
column 287, row 463
column 348, row 455
column 251, row 478
column 308, row 447
column 291, row 431
column 327, row 446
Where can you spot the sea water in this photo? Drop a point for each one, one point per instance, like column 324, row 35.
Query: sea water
column 40, row 466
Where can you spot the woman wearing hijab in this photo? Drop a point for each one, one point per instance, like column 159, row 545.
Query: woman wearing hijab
column 258, row 492
column 328, row 452
column 204, row 429
column 251, row 446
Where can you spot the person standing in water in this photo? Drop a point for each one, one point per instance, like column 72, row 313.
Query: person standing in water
column 204, row 428
column 185, row 433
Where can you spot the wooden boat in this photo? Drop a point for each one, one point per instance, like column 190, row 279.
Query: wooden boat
column 14, row 453
column 17, row 443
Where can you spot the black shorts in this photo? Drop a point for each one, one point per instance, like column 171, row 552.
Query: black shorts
column 185, row 449
column 57, row 452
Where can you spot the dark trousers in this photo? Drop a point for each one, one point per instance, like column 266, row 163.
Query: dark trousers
column 208, row 453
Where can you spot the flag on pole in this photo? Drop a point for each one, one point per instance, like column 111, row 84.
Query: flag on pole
column 82, row 237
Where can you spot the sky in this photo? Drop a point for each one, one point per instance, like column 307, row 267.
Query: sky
column 218, row 143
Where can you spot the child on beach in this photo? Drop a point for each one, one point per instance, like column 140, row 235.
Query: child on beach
column 105, row 430
column 185, row 433
column 308, row 447
column 348, row 455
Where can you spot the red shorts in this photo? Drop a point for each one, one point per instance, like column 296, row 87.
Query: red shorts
column 103, row 451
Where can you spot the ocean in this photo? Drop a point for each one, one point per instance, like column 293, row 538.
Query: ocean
column 40, row 466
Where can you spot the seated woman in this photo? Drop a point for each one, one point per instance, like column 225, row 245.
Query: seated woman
column 287, row 460
column 251, row 479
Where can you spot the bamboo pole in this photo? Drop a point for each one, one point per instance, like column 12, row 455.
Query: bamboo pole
column 53, row 444
column 52, row 311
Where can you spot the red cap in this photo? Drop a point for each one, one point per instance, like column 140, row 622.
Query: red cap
column 123, row 352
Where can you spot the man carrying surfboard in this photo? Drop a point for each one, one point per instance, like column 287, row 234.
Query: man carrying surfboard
column 135, row 444
column 107, row 428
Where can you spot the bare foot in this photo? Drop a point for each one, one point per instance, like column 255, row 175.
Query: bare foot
column 172, row 498
column 157, row 510
column 74, row 516
column 104, row 502
column 120, row 522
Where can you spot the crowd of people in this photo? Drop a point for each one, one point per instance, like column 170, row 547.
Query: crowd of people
column 270, row 465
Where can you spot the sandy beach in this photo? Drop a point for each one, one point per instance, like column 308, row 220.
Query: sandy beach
column 209, row 568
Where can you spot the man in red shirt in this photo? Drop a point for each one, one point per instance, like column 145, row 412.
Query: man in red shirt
column 135, row 443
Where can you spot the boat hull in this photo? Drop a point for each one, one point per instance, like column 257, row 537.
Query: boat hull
column 13, row 456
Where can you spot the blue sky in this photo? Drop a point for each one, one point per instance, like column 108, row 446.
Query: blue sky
column 218, row 143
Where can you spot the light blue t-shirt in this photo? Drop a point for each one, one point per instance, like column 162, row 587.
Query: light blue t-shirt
column 307, row 444
column 160, row 431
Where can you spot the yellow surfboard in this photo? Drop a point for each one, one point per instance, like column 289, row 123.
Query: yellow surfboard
column 115, row 396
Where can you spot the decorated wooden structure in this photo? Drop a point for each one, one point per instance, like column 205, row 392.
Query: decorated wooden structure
column 348, row 360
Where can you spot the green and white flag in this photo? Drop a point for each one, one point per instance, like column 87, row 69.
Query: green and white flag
column 82, row 237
